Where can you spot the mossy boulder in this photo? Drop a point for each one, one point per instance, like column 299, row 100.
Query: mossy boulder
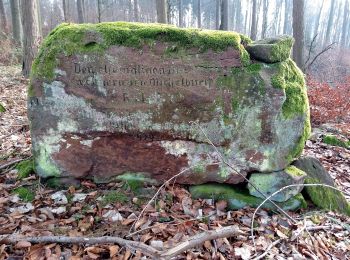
column 150, row 98
column 271, row 50
column 269, row 183
column 238, row 198
column 323, row 197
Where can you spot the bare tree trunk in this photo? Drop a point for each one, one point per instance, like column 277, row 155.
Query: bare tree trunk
column 330, row 23
column 180, row 13
column 217, row 17
column 31, row 37
column 80, row 11
column 264, row 22
column 64, row 7
column 253, row 28
column 238, row 16
column 345, row 23
column 199, row 14
column 3, row 19
column 298, row 31
column 224, row 15
column 246, row 23
column 317, row 21
column 16, row 21
column 161, row 6
column 286, row 24
column 136, row 11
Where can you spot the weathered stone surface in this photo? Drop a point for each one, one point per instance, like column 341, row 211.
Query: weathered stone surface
column 323, row 197
column 238, row 198
column 271, row 50
column 268, row 183
column 112, row 98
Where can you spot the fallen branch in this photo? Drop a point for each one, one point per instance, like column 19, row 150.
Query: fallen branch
column 327, row 48
column 147, row 250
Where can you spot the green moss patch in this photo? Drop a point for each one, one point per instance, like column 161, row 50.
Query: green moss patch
column 25, row 168
column 113, row 197
column 327, row 198
column 238, row 198
column 69, row 39
column 25, row 194
column 2, row 108
column 333, row 140
column 135, row 181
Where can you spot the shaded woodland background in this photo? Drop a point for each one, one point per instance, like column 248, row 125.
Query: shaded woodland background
column 321, row 29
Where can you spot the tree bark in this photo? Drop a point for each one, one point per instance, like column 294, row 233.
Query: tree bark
column 136, row 11
column 224, row 15
column 264, row 21
column 286, row 24
column 16, row 21
column 199, row 14
column 298, row 31
column 80, row 11
column 345, row 23
column 253, row 28
column 238, row 16
column 161, row 6
column 330, row 23
column 317, row 21
column 3, row 19
column 31, row 31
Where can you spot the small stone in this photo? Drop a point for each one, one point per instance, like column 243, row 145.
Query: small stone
column 79, row 197
column 157, row 244
column 23, row 209
column 59, row 210
column 59, row 198
column 268, row 183
column 113, row 215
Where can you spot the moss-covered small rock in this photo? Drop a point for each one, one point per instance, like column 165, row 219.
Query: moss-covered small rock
column 269, row 183
column 25, row 168
column 271, row 50
column 2, row 108
column 333, row 140
column 323, row 197
column 238, row 198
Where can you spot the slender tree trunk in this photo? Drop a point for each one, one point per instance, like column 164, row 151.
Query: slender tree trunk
column 337, row 29
column 246, row 22
column 161, row 6
column 31, row 37
column 239, row 19
column 224, row 15
column 253, row 28
column 64, row 7
column 345, row 23
column 264, row 22
column 199, row 14
column 298, row 31
column 317, row 21
column 3, row 19
column 16, row 21
column 330, row 23
column 136, row 11
column 217, row 17
column 180, row 13
column 80, row 11
column 287, row 9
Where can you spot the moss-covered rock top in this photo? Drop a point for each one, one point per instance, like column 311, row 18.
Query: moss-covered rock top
column 68, row 39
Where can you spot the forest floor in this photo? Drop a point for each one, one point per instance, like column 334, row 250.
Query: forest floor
column 113, row 209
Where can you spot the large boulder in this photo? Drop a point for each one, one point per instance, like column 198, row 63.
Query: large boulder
column 111, row 98
column 323, row 197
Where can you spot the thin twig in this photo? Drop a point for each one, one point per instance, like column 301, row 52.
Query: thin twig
column 3, row 166
column 267, row 250
column 319, row 54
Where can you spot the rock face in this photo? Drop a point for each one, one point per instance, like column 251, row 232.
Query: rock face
column 116, row 98
column 269, row 183
column 322, row 197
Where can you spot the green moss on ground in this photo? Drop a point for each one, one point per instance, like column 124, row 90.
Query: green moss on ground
column 25, row 194
column 2, row 108
column 25, row 168
column 113, row 197
column 68, row 39
column 135, row 181
column 333, row 140
column 327, row 198
column 238, row 198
